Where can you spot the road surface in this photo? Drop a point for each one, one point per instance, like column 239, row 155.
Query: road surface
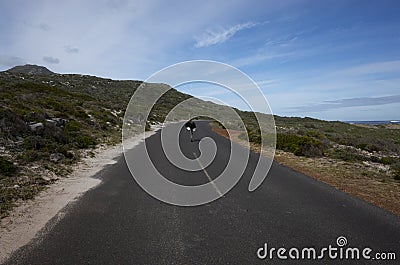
column 119, row 223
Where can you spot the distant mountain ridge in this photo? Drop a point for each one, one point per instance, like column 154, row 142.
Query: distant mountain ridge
column 30, row 69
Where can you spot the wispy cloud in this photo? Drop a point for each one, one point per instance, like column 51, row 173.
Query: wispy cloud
column 282, row 42
column 210, row 38
column 52, row 60
column 70, row 49
column 44, row 26
column 259, row 58
column 372, row 68
column 348, row 102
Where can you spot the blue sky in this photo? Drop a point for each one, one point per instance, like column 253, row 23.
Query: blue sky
column 334, row 60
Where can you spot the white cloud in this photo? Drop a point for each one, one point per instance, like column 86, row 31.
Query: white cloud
column 70, row 49
column 259, row 58
column 215, row 37
column 348, row 102
column 372, row 68
column 360, row 88
column 52, row 60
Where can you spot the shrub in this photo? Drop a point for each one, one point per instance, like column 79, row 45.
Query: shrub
column 310, row 126
column 80, row 113
column 300, row 145
column 301, row 132
column 28, row 156
column 147, row 126
column 396, row 170
column 346, row 154
column 53, row 104
column 315, row 134
column 7, row 167
column 362, row 146
column 375, row 159
column 254, row 136
column 373, row 148
column 387, row 160
column 11, row 124
column 72, row 126
column 55, row 134
column 34, row 142
column 85, row 141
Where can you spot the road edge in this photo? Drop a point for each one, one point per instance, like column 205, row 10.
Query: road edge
column 26, row 220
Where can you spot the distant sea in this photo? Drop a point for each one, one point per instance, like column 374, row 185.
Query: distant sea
column 374, row 122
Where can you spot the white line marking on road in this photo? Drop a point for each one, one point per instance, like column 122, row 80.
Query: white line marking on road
column 208, row 176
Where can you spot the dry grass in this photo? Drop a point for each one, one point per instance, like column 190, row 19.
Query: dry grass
column 365, row 181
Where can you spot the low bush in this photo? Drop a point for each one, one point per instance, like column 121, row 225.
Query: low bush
column 375, row 159
column 254, row 136
column 310, row 126
column 396, row 170
column 147, row 126
column 362, row 146
column 28, row 156
column 387, row 160
column 300, row 145
column 85, row 141
column 373, row 148
column 315, row 134
column 72, row 126
column 7, row 168
column 345, row 154
column 12, row 125
column 34, row 142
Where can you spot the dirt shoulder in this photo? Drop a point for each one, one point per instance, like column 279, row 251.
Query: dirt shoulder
column 27, row 219
column 367, row 181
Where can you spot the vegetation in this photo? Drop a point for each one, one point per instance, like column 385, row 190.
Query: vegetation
column 300, row 145
column 7, row 168
column 46, row 121
column 316, row 138
column 396, row 170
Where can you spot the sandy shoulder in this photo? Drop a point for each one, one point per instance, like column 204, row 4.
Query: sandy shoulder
column 26, row 220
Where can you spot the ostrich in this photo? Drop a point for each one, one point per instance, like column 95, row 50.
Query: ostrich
column 190, row 126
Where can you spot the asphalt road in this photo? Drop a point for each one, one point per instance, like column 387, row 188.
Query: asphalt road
column 119, row 223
